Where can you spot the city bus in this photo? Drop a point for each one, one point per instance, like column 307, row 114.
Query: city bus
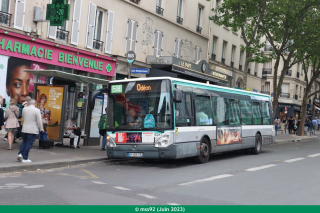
column 171, row 118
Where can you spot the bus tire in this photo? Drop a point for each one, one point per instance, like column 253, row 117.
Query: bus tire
column 204, row 152
column 258, row 143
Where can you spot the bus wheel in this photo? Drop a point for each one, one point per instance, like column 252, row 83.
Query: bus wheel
column 257, row 148
column 204, row 152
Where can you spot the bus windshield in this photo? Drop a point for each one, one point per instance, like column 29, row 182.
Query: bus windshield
column 140, row 105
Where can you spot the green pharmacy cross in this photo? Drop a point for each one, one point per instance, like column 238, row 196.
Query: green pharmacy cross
column 58, row 12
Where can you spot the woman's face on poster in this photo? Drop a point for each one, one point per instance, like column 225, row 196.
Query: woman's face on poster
column 19, row 84
column 43, row 101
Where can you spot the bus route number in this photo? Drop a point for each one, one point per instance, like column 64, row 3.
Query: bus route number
column 116, row 89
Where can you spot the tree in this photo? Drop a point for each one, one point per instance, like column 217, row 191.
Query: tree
column 245, row 16
column 289, row 26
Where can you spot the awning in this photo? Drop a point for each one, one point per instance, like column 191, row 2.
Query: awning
column 68, row 76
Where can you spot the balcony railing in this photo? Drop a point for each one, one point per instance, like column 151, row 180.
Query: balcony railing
column 266, row 92
column 268, row 48
column 135, row 1
column 240, row 67
column 266, row 71
column 199, row 29
column 179, row 20
column 231, row 64
column 159, row 10
column 285, row 95
column 62, row 35
column 223, row 60
column 5, row 18
column 213, row 56
column 97, row 45
column 289, row 72
column 298, row 74
column 296, row 97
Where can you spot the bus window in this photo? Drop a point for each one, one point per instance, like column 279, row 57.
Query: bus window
column 234, row 112
column 246, row 112
column 203, row 111
column 256, row 113
column 220, row 115
column 183, row 111
column 266, row 113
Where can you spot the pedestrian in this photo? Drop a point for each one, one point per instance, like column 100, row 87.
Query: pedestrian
column 298, row 124
column 318, row 120
column 103, row 129
column 31, row 125
column 277, row 123
column 282, row 125
column 1, row 119
column 290, row 125
column 11, row 119
column 73, row 131
column 314, row 124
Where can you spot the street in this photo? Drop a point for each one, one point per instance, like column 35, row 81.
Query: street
column 283, row 174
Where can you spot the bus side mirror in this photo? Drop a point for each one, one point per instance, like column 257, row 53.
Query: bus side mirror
column 177, row 96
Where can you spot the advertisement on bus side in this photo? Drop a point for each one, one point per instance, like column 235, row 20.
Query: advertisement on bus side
column 229, row 135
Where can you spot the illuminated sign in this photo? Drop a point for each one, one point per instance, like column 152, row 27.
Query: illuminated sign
column 116, row 88
column 218, row 75
column 143, row 87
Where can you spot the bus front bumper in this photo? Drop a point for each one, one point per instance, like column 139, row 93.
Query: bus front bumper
column 147, row 151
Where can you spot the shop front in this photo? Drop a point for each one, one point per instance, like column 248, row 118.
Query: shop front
column 178, row 68
column 23, row 64
column 292, row 111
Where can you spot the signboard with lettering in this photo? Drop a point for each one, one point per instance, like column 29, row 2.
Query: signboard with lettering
column 57, row 12
column 140, row 70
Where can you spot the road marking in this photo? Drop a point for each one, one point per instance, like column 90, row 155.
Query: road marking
column 315, row 155
column 260, row 167
column 122, row 188
column 89, row 173
column 206, row 179
column 98, row 182
column 8, row 187
column 16, row 184
column 293, row 160
column 278, row 160
column 173, row 204
column 147, row 196
column 33, row 186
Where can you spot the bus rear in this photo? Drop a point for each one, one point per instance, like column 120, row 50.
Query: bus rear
column 140, row 119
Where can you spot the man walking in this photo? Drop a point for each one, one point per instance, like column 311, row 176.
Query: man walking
column 318, row 120
column 314, row 125
column 32, row 124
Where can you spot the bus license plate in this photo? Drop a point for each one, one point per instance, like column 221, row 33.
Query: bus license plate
column 135, row 154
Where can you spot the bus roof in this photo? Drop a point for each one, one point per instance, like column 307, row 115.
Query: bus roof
column 201, row 85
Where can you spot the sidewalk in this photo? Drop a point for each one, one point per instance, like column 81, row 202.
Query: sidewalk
column 47, row 158
column 284, row 138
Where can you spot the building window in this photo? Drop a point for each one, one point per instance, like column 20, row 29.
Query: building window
column 240, row 59
column 232, row 55
column 217, row 7
column 199, row 18
column 62, row 33
column 179, row 12
column 5, row 5
column 214, row 42
column 135, row 1
column 224, row 45
column 159, row 8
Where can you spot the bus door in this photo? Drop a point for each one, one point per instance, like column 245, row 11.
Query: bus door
column 234, row 128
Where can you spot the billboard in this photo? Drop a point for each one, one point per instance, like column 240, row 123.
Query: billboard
column 229, row 135
column 49, row 101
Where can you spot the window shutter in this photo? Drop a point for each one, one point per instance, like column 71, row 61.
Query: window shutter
column 177, row 48
column 134, row 36
column 76, row 22
column 156, row 42
column 91, row 23
column 19, row 14
column 197, row 54
column 52, row 31
column 160, row 42
column 109, row 32
column 132, row 30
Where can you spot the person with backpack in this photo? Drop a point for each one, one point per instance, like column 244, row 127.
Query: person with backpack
column 102, row 125
column 277, row 123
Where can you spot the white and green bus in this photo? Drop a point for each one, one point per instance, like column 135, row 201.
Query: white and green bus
column 169, row 118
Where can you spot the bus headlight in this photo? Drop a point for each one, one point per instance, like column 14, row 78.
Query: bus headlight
column 111, row 142
column 108, row 137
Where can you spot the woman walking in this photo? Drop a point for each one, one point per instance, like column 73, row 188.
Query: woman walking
column 11, row 119
column 283, row 125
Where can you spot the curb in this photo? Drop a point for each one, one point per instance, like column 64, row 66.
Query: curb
column 297, row 140
column 47, row 165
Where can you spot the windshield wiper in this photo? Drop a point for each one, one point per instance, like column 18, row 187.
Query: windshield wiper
column 113, row 131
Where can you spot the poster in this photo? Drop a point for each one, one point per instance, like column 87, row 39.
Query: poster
column 49, row 101
column 228, row 135
column 42, row 79
column 123, row 137
column 95, row 117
